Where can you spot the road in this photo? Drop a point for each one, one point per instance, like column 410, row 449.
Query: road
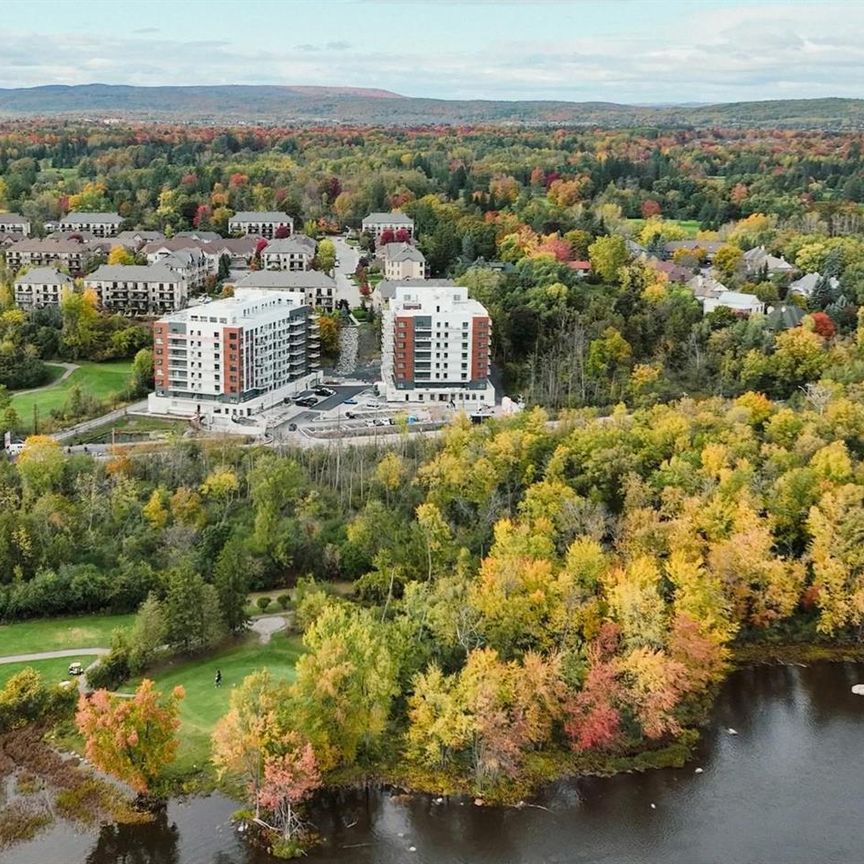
column 347, row 256
column 54, row 655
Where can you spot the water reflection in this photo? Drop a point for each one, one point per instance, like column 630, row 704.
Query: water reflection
column 787, row 789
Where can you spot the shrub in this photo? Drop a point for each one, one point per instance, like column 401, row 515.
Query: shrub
column 284, row 600
column 111, row 671
column 263, row 603
column 27, row 699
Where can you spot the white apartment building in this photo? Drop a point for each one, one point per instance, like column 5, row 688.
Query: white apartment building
column 289, row 253
column 318, row 288
column 14, row 223
column 190, row 262
column 74, row 255
column 377, row 223
column 436, row 347
column 138, row 290
column 40, row 287
column 98, row 224
column 234, row 357
column 263, row 223
column 403, row 261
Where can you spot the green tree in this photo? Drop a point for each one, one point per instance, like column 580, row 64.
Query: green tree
column 608, row 255
column 231, row 577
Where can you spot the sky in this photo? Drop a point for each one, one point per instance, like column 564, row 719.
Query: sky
column 631, row 51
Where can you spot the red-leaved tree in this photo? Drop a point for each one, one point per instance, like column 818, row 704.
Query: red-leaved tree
column 288, row 780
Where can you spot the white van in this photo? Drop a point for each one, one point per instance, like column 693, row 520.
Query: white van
column 15, row 448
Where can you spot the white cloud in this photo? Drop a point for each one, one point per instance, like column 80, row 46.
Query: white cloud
column 712, row 54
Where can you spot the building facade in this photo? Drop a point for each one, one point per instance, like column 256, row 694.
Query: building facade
column 73, row 255
column 41, row 287
column 15, row 224
column 262, row 223
column 234, row 357
column 436, row 347
column 290, row 253
column 138, row 290
column 403, row 261
column 98, row 224
column 377, row 223
column 318, row 288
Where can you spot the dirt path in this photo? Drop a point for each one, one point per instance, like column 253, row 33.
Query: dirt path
column 68, row 369
column 265, row 627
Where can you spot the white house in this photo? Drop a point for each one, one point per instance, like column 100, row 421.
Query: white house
column 263, row 223
column 135, row 289
column 289, row 253
column 805, row 286
column 742, row 304
column 98, row 224
column 318, row 288
column 40, row 287
column 14, row 223
column 377, row 223
column 403, row 261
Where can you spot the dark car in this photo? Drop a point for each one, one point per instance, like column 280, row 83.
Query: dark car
column 324, row 391
column 307, row 401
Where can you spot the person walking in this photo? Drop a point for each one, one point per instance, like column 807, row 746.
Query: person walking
column 218, row 677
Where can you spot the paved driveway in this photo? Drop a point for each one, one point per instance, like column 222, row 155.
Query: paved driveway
column 347, row 256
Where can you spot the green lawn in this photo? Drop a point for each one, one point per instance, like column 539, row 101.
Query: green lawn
column 690, row 226
column 104, row 381
column 56, row 634
column 52, row 671
column 205, row 703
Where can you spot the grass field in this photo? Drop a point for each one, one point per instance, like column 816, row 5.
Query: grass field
column 103, row 381
column 691, row 226
column 132, row 428
column 52, row 671
column 56, row 634
column 205, row 703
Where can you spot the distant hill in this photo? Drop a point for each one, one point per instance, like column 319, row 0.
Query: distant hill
column 356, row 105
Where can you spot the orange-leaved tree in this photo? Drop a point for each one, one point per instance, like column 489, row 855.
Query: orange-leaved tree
column 133, row 739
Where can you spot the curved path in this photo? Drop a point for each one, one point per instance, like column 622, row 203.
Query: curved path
column 53, row 655
column 68, row 369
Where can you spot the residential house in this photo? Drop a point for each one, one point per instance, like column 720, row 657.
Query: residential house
column 98, row 224
column 436, row 347
column 289, row 253
column 134, row 240
column 261, row 223
column 385, row 290
column 741, row 304
column 204, row 236
column 15, row 224
column 674, row 272
column 805, row 286
column 705, row 285
column 709, row 247
column 139, row 290
column 785, row 316
column 318, row 288
column 758, row 261
column 234, row 357
column 72, row 255
column 41, row 287
column 189, row 262
column 403, row 261
column 377, row 223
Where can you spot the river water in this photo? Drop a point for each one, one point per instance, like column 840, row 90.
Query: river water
column 787, row 789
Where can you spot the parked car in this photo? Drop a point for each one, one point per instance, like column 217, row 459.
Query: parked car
column 324, row 391
column 351, row 401
column 307, row 401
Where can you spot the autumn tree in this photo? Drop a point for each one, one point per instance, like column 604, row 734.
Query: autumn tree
column 132, row 739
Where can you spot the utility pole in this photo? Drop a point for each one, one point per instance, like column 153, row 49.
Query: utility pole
column 35, row 419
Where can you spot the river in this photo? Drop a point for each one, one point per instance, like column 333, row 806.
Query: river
column 787, row 789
